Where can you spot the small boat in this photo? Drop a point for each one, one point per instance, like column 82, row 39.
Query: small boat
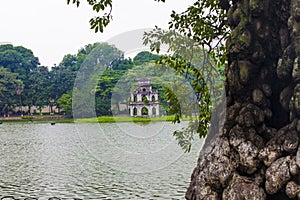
column 52, row 123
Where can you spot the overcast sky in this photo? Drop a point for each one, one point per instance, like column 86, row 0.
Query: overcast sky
column 52, row 29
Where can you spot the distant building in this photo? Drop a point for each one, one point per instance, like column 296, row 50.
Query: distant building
column 35, row 109
column 143, row 101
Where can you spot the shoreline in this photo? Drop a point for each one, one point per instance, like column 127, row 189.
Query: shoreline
column 28, row 118
column 101, row 119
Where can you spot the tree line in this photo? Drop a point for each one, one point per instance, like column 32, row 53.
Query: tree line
column 24, row 82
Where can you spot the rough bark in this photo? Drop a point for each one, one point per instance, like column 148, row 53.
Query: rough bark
column 256, row 154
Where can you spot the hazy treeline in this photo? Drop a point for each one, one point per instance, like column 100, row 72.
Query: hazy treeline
column 25, row 81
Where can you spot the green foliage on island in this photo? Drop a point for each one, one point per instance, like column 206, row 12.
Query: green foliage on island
column 113, row 119
column 65, row 102
column 28, row 117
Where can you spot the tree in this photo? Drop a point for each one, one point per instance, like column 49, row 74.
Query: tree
column 104, row 90
column 254, row 155
column 62, row 77
column 144, row 57
column 254, row 152
column 65, row 102
column 39, row 87
column 100, row 59
column 9, row 85
column 19, row 60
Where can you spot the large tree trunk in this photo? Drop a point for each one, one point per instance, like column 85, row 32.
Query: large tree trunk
column 256, row 154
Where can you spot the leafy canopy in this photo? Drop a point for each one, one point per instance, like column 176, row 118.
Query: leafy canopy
column 9, row 85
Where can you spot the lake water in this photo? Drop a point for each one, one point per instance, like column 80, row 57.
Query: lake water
column 94, row 161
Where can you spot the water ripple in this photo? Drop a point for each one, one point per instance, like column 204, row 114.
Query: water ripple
column 43, row 161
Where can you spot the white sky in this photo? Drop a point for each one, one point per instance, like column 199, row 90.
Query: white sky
column 52, row 29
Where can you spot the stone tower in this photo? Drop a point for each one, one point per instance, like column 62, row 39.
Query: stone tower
column 144, row 101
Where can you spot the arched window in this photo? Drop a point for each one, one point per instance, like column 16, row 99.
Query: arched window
column 144, row 89
column 134, row 111
column 135, row 98
column 144, row 111
column 153, row 98
column 144, row 99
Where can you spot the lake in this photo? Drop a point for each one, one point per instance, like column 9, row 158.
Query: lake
column 94, row 161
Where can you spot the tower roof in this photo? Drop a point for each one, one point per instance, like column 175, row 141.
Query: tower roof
column 143, row 79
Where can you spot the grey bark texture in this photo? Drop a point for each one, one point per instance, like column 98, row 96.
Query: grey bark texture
column 254, row 153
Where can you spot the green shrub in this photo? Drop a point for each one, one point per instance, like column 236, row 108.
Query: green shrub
column 27, row 117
